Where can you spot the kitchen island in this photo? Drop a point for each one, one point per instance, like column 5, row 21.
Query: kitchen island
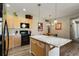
column 42, row 45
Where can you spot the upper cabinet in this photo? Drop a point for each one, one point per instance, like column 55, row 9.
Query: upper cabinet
column 14, row 22
column 10, row 21
column 30, row 22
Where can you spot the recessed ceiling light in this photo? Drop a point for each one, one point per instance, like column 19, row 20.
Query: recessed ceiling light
column 24, row 9
column 7, row 5
column 55, row 21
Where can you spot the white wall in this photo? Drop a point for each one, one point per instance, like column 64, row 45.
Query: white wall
column 35, row 26
column 65, row 30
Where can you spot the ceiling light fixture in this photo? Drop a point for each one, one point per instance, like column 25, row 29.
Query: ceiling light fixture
column 39, row 10
column 24, row 9
column 55, row 21
column 7, row 5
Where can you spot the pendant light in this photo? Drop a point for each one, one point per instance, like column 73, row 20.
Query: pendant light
column 39, row 14
column 39, row 10
column 39, row 24
column 55, row 20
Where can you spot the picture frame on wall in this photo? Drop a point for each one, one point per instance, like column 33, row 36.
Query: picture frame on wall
column 58, row 26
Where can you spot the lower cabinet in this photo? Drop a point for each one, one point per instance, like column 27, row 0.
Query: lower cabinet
column 38, row 48
column 17, row 42
column 13, row 42
column 10, row 42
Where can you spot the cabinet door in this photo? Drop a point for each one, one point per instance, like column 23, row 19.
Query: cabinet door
column 33, row 47
column 30, row 22
column 13, row 22
column 41, row 51
column 17, row 42
column 10, row 42
column 10, row 22
column 16, row 22
column 38, row 48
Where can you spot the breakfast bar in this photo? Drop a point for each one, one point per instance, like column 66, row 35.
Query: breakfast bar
column 42, row 45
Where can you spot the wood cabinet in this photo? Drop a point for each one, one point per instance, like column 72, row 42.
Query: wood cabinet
column 10, row 42
column 38, row 48
column 13, row 42
column 17, row 41
column 14, row 22
column 10, row 21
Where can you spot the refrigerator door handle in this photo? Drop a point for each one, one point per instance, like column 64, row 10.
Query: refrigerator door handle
column 6, row 35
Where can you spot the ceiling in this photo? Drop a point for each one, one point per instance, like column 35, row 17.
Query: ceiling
column 46, row 9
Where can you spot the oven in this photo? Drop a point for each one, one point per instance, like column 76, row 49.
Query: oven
column 25, row 37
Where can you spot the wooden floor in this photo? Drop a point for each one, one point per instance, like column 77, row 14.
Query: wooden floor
column 25, row 51
column 74, row 50
column 20, row 51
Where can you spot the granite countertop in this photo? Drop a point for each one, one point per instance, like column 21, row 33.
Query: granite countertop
column 56, row 41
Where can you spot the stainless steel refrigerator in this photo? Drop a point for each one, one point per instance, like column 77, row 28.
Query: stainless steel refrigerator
column 4, row 43
column 1, row 7
column 5, row 39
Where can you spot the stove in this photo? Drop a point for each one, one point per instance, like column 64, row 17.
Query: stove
column 25, row 37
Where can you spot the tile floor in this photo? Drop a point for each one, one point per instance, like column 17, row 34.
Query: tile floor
column 25, row 51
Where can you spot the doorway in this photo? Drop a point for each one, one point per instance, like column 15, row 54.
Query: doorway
column 74, row 29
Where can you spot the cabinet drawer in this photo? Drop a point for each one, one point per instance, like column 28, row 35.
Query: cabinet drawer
column 34, row 41
column 10, row 42
column 37, row 48
column 39, row 43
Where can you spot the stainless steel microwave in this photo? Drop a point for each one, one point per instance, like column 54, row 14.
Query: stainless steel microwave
column 24, row 25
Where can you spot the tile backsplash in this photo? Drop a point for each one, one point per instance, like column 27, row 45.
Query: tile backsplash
column 12, row 31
